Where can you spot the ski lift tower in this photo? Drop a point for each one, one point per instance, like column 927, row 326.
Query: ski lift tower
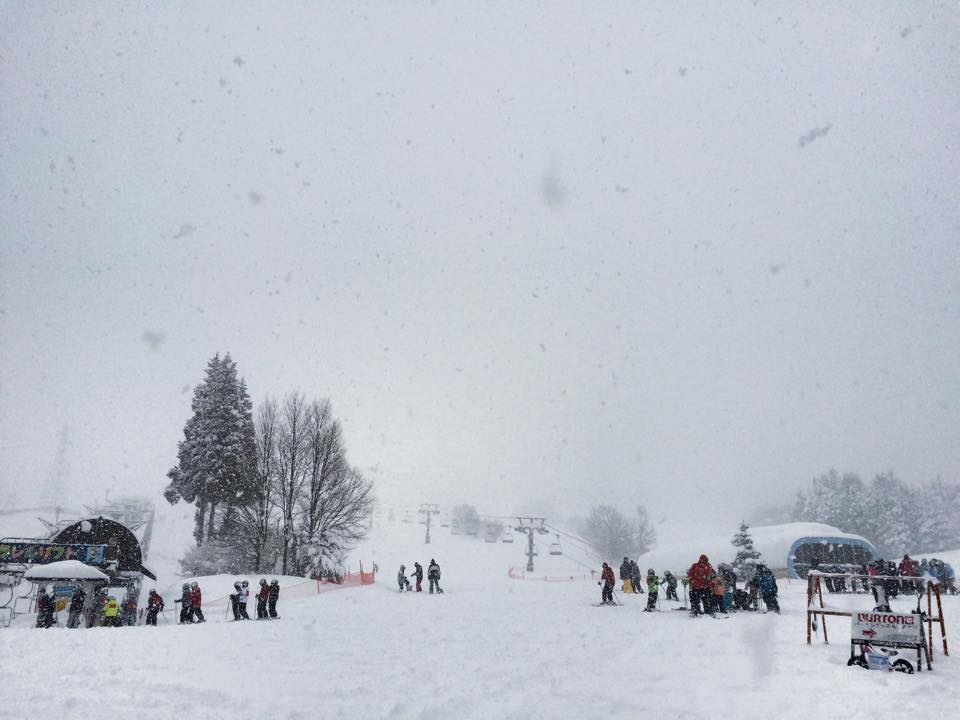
column 530, row 525
column 428, row 509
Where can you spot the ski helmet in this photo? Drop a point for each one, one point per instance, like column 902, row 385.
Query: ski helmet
column 236, row 585
column 245, row 583
column 262, row 581
column 185, row 586
column 650, row 571
column 194, row 584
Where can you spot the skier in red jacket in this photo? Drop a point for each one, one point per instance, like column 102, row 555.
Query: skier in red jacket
column 607, row 580
column 195, row 602
column 700, row 574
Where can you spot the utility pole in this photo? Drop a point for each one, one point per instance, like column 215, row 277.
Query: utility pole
column 530, row 525
column 428, row 509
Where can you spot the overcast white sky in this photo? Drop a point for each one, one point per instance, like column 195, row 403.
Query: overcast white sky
column 533, row 253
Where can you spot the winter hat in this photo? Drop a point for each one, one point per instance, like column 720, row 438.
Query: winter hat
column 704, row 558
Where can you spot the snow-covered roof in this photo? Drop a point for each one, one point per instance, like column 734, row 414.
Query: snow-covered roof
column 773, row 541
column 65, row 570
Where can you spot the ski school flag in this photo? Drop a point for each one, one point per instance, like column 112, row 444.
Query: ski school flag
column 887, row 629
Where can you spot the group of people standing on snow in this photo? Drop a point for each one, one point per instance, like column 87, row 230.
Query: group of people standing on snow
column 711, row 591
column 103, row 610
column 433, row 576
column 632, row 583
column 266, row 598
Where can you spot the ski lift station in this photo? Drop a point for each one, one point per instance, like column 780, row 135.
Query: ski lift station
column 790, row 549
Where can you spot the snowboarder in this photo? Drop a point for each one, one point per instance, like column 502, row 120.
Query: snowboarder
column 402, row 579
column 635, row 578
column 671, row 580
column 243, row 597
column 700, row 574
column 433, row 575
column 235, row 600
column 154, row 607
column 768, row 588
column 606, row 580
column 46, row 606
column 272, row 598
column 262, row 598
column 186, row 604
column 418, row 575
column 653, row 590
column 76, row 607
column 626, row 575
column 195, row 597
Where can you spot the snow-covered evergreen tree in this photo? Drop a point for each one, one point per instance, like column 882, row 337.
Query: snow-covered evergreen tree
column 216, row 460
column 747, row 557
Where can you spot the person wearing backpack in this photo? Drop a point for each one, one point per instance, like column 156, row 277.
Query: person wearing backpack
column 433, row 575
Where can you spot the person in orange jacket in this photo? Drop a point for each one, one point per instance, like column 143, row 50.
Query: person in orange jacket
column 719, row 589
column 607, row 580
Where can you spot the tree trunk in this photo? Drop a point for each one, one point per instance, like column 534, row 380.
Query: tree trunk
column 198, row 519
column 213, row 514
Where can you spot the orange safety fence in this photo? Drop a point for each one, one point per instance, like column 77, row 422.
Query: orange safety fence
column 312, row 586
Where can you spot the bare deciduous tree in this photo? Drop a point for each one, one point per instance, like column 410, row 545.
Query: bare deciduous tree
column 292, row 466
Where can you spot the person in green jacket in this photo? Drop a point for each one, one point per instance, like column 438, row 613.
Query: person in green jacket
column 653, row 590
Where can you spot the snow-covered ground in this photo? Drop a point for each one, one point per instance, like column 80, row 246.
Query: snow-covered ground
column 489, row 647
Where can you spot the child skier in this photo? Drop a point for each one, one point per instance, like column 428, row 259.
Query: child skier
column 195, row 602
column 671, row 580
column 235, row 600
column 262, row 598
column 719, row 590
column 607, row 580
column 272, row 598
column 154, row 607
column 243, row 597
column 186, row 604
column 402, row 579
column 653, row 590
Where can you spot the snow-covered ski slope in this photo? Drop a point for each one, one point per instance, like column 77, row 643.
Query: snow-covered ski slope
column 489, row 647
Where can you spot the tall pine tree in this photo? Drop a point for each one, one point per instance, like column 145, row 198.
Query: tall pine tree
column 747, row 557
column 216, row 459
